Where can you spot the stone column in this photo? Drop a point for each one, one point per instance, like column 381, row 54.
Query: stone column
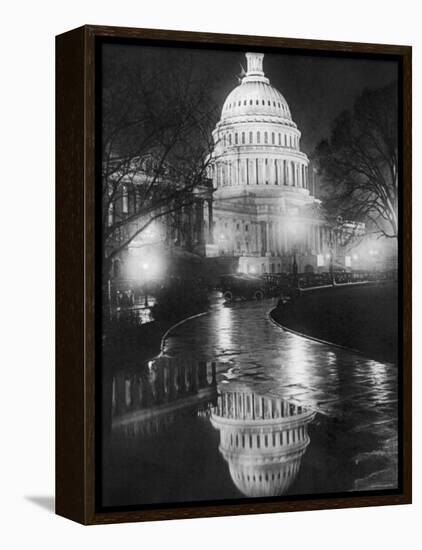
column 210, row 223
column 267, row 247
column 278, row 238
column 199, row 221
column 263, row 172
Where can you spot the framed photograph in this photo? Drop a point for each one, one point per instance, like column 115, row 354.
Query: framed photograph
column 233, row 274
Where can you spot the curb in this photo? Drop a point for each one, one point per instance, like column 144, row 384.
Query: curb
column 165, row 335
column 313, row 338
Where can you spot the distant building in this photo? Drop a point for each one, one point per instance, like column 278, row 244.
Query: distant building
column 263, row 205
column 179, row 225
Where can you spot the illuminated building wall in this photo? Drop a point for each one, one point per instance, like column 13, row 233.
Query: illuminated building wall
column 263, row 205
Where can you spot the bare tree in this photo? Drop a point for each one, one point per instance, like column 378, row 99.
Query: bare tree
column 157, row 119
column 359, row 163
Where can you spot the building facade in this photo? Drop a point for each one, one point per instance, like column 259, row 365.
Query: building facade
column 264, row 210
column 150, row 218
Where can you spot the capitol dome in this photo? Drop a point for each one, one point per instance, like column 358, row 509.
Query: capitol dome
column 261, row 181
column 255, row 96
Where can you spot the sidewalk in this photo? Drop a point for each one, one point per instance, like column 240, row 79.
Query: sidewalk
column 361, row 317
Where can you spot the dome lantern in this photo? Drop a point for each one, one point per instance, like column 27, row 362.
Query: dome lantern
column 254, row 64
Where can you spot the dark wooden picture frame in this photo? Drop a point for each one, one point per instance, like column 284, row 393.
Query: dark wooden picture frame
column 77, row 287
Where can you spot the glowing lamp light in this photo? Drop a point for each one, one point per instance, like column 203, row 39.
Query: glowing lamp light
column 355, row 257
column 253, row 269
column 328, row 256
column 292, row 226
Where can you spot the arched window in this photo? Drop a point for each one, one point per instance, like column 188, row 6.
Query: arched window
column 250, row 137
column 243, row 137
column 235, row 138
column 266, row 137
column 279, row 139
column 258, row 137
column 273, row 138
column 125, row 200
column 250, row 102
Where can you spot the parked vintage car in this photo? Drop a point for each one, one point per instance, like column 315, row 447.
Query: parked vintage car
column 242, row 287
column 252, row 287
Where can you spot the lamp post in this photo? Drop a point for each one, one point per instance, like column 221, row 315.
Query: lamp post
column 293, row 227
column 145, row 268
column 294, row 267
column 331, row 249
column 331, row 264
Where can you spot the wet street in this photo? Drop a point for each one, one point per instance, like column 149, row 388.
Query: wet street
column 236, row 407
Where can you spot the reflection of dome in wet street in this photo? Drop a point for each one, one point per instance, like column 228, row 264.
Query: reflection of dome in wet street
column 263, row 440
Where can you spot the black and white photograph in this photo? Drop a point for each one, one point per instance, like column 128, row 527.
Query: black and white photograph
column 250, row 274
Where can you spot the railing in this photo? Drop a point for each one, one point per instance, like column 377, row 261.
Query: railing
column 309, row 280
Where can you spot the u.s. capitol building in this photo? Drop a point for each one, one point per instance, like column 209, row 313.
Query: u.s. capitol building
column 263, row 206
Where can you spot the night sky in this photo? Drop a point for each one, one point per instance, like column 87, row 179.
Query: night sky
column 317, row 88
